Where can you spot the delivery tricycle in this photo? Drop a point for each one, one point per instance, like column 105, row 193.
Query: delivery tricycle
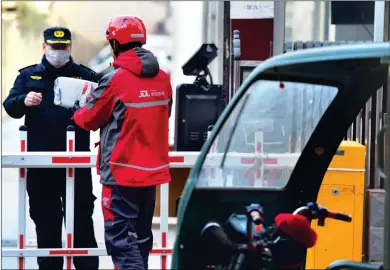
column 252, row 193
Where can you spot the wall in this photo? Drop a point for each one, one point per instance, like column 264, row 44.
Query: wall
column 89, row 18
column 20, row 48
column 22, row 45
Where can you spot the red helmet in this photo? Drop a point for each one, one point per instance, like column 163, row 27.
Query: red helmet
column 126, row 29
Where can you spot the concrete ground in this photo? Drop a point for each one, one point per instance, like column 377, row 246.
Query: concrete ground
column 9, row 206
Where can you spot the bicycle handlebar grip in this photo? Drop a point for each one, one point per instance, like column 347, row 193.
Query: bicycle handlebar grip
column 339, row 216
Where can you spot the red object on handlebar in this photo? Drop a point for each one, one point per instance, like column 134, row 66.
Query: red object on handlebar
column 298, row 228
column 339, row 216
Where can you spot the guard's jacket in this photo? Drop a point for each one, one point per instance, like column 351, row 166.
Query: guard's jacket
column 131, row 106
column 47, row 123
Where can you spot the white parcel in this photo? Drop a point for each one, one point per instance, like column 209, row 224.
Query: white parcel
column 68, row 90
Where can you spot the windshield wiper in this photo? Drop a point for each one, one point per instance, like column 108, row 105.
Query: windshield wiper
column 233, row 130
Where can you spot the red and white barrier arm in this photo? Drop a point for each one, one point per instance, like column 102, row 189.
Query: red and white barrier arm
column 177, row 160
column 70, row 252
column 78, row 159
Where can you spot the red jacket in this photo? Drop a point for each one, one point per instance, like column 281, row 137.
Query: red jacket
column 131, row 106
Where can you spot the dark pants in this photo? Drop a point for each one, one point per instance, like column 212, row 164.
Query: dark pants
column 46, row 189
column 128, row 214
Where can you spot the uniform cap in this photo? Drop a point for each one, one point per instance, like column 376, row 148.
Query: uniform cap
column 57, row 35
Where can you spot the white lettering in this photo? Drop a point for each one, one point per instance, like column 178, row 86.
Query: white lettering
column 144, row 93
column 151, row 93
column 157, row 93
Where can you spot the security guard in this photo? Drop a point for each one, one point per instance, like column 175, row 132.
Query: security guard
column 32, row 96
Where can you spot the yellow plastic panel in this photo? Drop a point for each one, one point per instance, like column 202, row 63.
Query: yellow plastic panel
column 342, row 190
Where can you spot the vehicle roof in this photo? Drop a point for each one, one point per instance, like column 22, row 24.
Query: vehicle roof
column 339, row 52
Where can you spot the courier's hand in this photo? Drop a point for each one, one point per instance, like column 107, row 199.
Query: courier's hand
column 33, row 99
column 75, row 107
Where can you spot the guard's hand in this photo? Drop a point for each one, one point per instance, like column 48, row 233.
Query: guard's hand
column 33, row 99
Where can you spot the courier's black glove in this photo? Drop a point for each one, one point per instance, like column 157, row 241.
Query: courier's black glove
column 75, row 107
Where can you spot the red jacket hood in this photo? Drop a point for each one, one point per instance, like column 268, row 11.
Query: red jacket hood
column 138, row 61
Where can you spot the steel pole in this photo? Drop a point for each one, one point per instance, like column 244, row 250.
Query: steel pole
column 279, row 26
column 381, row 30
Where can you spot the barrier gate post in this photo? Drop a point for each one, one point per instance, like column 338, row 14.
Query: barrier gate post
column 259, row 172
column 22, row 199
column 164, row 215
column 69, row 214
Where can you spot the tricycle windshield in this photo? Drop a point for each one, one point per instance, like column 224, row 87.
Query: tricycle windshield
column 262, row 139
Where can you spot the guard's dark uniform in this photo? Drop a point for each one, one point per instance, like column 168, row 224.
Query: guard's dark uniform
column 46, row 125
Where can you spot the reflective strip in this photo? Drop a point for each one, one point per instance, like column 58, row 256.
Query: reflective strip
column 147, row 104
column 133, row 234
column 58, row 41
column 141, row 168
column 137, row 35
column 139, row 241
column 142, row 240
column 346, row 170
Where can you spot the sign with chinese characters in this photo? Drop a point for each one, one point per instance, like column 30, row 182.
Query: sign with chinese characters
column 251, row 9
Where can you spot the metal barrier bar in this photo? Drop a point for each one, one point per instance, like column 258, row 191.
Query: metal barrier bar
column 78, row 159
column 69, row 213
column 70, row 161
column 177, row 159
column 22, row 199
column 70, row 252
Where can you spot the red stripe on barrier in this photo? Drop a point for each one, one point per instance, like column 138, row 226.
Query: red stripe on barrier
column 269, row 161
column 67, row 252
column 69, row 245
column 70, row 145
column 21, row 246
column 70, row 172
column 161, row 251
column 20, row 262
column 69, row 242
column 21, row 241
column 164, row 239
column 23, row 145
column 176, row 159
column 163, row 244
column 60, row 160
column 22, row 172
column 259, row 147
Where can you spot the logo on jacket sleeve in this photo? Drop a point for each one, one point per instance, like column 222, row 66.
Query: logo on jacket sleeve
column 149, row 93
column 143, row 94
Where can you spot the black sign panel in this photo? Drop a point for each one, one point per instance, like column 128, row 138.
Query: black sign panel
column 352, row 12
column 196, row 110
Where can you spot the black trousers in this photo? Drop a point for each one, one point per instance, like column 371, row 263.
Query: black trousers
column 46, row 189
column 128, row 215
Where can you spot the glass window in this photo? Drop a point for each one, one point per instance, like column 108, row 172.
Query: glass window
column 261, row 141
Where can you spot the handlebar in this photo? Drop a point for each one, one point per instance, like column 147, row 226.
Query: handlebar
column 271, row 243
column 339, row 216
column 316, row 211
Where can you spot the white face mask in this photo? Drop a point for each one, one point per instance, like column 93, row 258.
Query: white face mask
column 57, row 58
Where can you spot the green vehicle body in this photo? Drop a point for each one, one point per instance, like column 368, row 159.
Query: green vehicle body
column 357, row 70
